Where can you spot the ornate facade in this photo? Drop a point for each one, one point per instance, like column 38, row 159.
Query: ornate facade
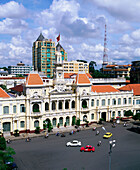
column 59, row 102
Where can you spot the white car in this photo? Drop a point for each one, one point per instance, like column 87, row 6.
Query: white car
column 74, row 143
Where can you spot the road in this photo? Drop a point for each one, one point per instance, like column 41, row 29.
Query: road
column 52, row 154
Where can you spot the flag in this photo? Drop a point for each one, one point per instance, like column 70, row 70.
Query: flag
column 58, row 38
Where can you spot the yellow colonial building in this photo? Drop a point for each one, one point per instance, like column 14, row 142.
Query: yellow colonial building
column 59, row 101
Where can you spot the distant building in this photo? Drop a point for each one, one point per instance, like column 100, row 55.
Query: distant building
column 20, row 68
column 135, row 72
column 115, row 71
column 3, row 73
column 44, row 52
column 75, row 67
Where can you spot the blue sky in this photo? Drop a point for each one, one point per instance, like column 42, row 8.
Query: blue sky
column 81, row 26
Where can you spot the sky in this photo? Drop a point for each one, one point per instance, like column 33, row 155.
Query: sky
column 81, row 24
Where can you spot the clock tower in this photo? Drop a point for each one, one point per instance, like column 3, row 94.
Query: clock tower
column 59, row 82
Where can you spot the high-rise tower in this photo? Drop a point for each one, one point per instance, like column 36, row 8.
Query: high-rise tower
column 105, row 56
column 44, row 55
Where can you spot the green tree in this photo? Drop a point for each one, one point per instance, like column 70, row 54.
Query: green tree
column 91, row 66
column 78, row 122
column 136, row 116
column 37, row 130
column 73, row 120
column 128, row 113
column 3, row 87
column 2, row 143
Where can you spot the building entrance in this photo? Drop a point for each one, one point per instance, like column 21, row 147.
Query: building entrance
column 103, row 115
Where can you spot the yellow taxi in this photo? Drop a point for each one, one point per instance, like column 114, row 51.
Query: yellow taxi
column 107, row 135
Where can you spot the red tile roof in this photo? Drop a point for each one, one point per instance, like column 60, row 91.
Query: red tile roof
column 3, row 94
column 68, row 75
column 34, row 79
column 82, row 79
column 18, row 88
column 129, row 87
column 103, row 89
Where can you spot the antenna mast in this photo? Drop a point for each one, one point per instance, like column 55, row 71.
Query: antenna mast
column 105, row 56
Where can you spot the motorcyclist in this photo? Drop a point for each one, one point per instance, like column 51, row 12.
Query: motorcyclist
column 97, row 132
column 99, row 143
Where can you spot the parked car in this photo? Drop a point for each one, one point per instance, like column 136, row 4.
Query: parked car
column 107, row 135
column 74, row 143
column 88, row 148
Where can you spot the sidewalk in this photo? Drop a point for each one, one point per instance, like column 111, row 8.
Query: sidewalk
column 54, row 131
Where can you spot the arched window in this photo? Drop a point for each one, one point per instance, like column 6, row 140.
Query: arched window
column 60, row 105
column 92, row 116
column 14, row 109
column 85, row 118
column 92, row 102
column 6, row 109
column 103, row 102
column 61, row 121
column 46, row 106
column 73, row 104
column 36, row 123
column 36, row 108
column 124, row 101
column 54, row 122
column 66, row 104
column 22, row 108
column 53, row 106
column 84, row 104
column 67, row 121
column 119, row 101
column 114, row 101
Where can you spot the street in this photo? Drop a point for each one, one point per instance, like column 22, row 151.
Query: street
column 52, row 153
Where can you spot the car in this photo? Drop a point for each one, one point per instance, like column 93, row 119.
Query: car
column 107, row 135
column 74, row 143
column 88, row 148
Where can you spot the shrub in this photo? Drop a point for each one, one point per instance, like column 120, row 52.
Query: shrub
column 58, row 125
column 137, row 116
column 65, row 124
column 73, row 121
column 2, row 143
column 128, row 113
column 78, row 122
column 16, row 132
column 37, row 130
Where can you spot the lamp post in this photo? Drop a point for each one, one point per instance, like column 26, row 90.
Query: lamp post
column 112, row 145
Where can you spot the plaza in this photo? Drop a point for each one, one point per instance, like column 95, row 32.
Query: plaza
column 52, row 153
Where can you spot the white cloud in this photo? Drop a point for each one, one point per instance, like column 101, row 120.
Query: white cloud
column 127, row 39
column 12, row 10
column 123, row 9
column 136, row 34
column 12, row 26
column 137, row 52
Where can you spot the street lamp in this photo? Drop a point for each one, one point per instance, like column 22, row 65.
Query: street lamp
column 112, row 145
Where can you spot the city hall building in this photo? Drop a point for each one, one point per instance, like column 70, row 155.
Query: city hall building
column 60, row 101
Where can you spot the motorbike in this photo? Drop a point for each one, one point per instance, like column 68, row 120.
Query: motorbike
column 57, row 134
column 113, row 125
column 28, row 139
column 97, row 132
column 124, row 125
column 99, row 143
column 94, row 128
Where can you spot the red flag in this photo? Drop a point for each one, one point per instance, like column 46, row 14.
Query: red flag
column 58, row 38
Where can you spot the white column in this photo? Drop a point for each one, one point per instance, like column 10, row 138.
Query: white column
column 64, row 105
column 57, row 102
column 11, row 110
column 50, row 106
column 13, row 126
column 17, row 124
column 1, row 109
column 70, row 105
